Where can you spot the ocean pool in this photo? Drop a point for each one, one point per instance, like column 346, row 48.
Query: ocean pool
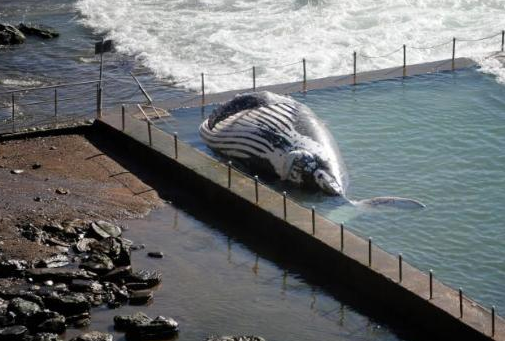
column 438, row 138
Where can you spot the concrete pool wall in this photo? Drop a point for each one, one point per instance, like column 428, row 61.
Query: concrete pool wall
column 377, row 283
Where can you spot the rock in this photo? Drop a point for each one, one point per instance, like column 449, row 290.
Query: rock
column 160, row 328
column 116, row 294
column 62, row 191
column 137, row 247
column 141, row 297
column 68, row 304
column 93, row 336
column 235, row 338
column 79, row 225
column 14, row 333
column 84, row 245
column 23, row 309
column 118, row 275
column 17, row 171
column 53, row 148
column 46, row 337
column 40, row 31
column 83, row 285
column 36, row 165
column 103, row 229
column 56, row 261
column 12, row 267
column 10, row 35
column 79, row 320
column 156, row 254
column 58, row 274
column 37, row 199
column 98, row 263
column 33, row 233
column 115, row 248
column 128, row 322
column 150, row 278
column 48, row 321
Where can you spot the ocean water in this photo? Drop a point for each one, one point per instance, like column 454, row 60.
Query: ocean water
column 438, row 138
column 178, row 39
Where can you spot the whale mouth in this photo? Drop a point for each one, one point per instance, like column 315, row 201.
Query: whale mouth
column 327, row 183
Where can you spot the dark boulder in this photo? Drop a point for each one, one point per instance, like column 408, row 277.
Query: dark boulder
column 235, row 338
column 84, row 245
column 23, row 309
column 117, row 249
column 150, row 278
column 47, row 321
column 12, row 267
column 79, row 320
column 141, row 297
column 40, row 31
column 160, row 328
column 58, row 274
column 93, row 336
column 98, row 263
column 101, row 229
column 46, row 337
column 86, row 285
column 129, row 322
column 14, row 333
column 118, row 275
column 155, row 254
column 10, row 35
column 68, row 304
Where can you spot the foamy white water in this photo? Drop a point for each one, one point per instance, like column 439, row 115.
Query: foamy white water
column 181, row 39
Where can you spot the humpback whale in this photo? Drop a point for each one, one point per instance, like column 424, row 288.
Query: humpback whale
column 278, row 135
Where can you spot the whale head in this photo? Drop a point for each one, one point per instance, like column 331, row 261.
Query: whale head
column 309, row 170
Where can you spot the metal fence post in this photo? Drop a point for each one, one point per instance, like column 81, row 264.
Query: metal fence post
column 354, row 67
column 502, row 39
column 431, row 284
column 229, row 174
column 122, row 117
column 254, row 77
column 304, row 75
column 460, row 302
column 370, row 251
column 453, row 51
column 342, row 237
column 176, row 147
column 404, row 60
column 149, row 133
column 400, row 268
column 13, row 114
column 492, row 320
column 284, row 204
column 256, row 188
column 203, row 89
column 98, row 101
column 56, row 105
column 313, row 220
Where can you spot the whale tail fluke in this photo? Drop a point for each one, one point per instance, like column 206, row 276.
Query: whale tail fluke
column 394, row 202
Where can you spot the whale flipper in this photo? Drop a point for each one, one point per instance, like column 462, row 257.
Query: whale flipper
column 396, row 202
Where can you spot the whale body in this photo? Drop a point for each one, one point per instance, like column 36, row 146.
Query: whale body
column 278, row 135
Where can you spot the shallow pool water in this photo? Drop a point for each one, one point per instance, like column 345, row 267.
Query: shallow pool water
column 213, row 284
column 438, row 138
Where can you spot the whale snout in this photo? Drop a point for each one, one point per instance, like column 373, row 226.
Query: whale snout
column 327, row 183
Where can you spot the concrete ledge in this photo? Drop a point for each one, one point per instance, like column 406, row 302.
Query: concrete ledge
column 207, row 180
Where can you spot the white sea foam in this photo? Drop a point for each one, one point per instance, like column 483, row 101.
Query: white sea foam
column 182, row 38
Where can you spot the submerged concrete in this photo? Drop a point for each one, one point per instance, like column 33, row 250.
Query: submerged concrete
column 207, row 180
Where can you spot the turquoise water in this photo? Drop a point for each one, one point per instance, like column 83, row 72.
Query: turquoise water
column 438, row 138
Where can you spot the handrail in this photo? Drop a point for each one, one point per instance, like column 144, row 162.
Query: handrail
column 48, row 87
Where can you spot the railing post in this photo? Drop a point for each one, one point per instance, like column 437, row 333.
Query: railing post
column 304, row 75
column 502, row 39
column 460, row 302
column 13, row 114
column 342, row 237
column 453, row 51
column 254, row 77
column 431, row 284
column 404, row 60
column 149, row 133
column 229, row 174
column 56, row 105
column 122, row 117
column 284, row 204
column 354, row 67
column 492, row 321
column 370, row 251
column 176, row 147
column 313, row 220
column 203, row 89
column 400, row 268
column 98, row 101
column 256, row 188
